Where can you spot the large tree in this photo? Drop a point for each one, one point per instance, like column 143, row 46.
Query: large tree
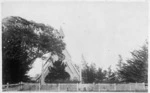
column 57, row 72
column 22, row 42
column 136, row 68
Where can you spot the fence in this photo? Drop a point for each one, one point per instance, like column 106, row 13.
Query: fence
column 76, row 87
column 12, row 87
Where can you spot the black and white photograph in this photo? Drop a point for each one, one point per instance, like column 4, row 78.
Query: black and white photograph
column 74, row 46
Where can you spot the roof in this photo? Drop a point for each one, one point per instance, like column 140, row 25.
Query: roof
column 66, row 53
column 61, row 32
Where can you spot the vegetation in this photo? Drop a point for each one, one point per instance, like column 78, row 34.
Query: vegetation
column 136, row 68
column 133, row 70
column 57, row 73
column 89, row 73
column 92, row 75
column 22, row 42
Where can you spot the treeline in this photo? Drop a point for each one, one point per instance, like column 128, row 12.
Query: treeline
column 92, row 75
column 134, row 69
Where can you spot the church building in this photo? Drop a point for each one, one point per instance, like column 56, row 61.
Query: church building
column 47, row 59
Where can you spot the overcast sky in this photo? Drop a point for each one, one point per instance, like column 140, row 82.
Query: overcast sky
column 100, row 31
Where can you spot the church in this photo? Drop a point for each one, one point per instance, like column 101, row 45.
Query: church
column 47, row 59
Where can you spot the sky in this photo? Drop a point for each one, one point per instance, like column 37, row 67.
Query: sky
column 98, row 30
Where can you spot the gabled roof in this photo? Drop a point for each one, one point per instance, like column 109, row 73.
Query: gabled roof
column 66, row 53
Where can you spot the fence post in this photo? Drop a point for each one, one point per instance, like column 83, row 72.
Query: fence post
column 58, row 87
column 77, row 86
column 21, row 85
column 39, row 86
column 7, row 86
column 136, row 87
column 144, row 86
column 99, row 88
column 130, row 87
column 115, row 87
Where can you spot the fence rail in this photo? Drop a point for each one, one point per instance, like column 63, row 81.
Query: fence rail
column 76, row 87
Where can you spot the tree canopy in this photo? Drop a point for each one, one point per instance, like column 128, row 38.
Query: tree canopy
column 136, row 68
column 22, row 42
column 92, row 75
